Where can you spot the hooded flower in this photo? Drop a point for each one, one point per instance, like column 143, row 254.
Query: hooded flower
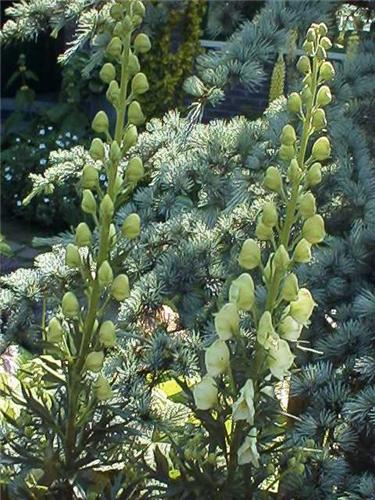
column 290, row 329
column 243, row 408
column 280, row 359
column 227, row 321
column 217, row 358
column 301, row 309
column 247, row 452
column 241, row 292
column 205, row 393
column 266, row 334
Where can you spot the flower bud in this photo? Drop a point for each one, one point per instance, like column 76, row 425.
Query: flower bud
column 324, row 96
column 294, row 172
column 290, row 287
column 72, row 256
column 70, row 305
column 227, row 321
column 307, row 205
column 272, row 179
column 263, row 232
column 105, row 274
column 94, row 361
column 287, row 153
column 308, row 47
column 116, row 11
column 314, row 175
column 303, row 65
column 97, row 149
column 326, row 43
column 112, row 234
column 308, row 80
column 90, row 177
column 217, row 358
column 136, row 20
column 135, row 114
column 113, row 93
column 131, row 226
column 142, row 43
column 107, row 73
column 249, row 257
column 319, row 119
column 313, row 229
column 269, row 214
column 311, row 35
column 115, row 154
column 103, row 390
column 100, row 122
column 139, row 8
column 307, row 95
column 140, row 84
column 120, row 288
column 135, row 170
column 83, row 235
column 266, row 333
column 133, row 64
column 288, row 135
column 107, row 334
column 241, row 292
column 205, row 393
column 107, row 208
column 281, row 259
column 321, row 149
column 280, row 359
column 127, row 24
column 88, row 203
column 290, row 329
column 302, row 252
column 322, row 29
column 301, row 309
column 54, row 331
column 130, row 137
column 321, row 54
column 294, row 103
column 114, row 48
column 326, row 71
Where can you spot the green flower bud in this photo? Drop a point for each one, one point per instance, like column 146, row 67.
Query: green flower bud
column 90, row 177
column 135, row 114
column 94, row 361
column 107, row 208
column 227, row 321
column 118, row 184
column 288, row 135
column 127, row 25
column 290, row 287
column 303, row 65
column 321, row 54
column 118, row 30
column 140, row 84
column 130, row 137
column 133, row 64
column 314, row 175
column 311, row 35
column 54, row 331
column 326, row 71
column 70, row 305
column 136, row 20
column 107, row 73
column 326, row 43
column 308, row 47
column 294, row 172
column 308, row 80
column 114, row 48
column 72, row 256
column 302, row 252
column 321, row 149
column 88, row 203
column 307, row 205
column 116, row 11
column 301, row 309
column 115, row 154
column 105, row 274
column 313, row 229
column 319, row 119
column 97, row 149
column 266, row 332
column 322, row 29
column 83, row 235
column 113, row 93
column 100, row 122
column 249, row 257
column 131, row 226
column 307, row 95
column 281, row 259
column 135, row 170
column 287, row 153
column 139, row 8
column 272, row 179
column 263, row 232
column 107, row 334
column 269, row 214
column 241, row 292
column 103, row 390
column 120, row 287
column 294, row 103
column 324, row 96
column 142, row 43
column 112, row 234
